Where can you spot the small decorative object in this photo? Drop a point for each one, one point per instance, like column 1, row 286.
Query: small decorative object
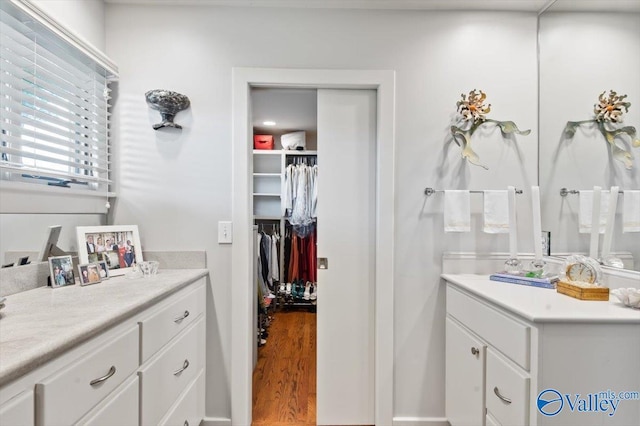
column 608, row 115
column 117, row 246
column 61, row 269
column 169, row 104
column 628, row 296
column 89, row 273
column 582, row 279
column 473, row 112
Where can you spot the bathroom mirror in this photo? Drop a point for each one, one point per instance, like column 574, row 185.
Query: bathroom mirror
column 586, row 48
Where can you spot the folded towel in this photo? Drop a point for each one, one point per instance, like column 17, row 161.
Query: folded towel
column 631, row 212
column 586, row 211
column 457, row 211
column 496, row 212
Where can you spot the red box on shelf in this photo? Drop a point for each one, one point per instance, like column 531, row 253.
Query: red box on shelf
column 263, row 142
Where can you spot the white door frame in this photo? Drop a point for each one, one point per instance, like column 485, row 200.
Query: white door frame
column 242, row 338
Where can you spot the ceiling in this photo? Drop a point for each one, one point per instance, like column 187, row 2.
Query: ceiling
column 498, row 5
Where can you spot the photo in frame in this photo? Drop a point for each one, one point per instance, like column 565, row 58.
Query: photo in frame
column 89, row 273
column 61, row 270
column 103, row 270
column 118, row 246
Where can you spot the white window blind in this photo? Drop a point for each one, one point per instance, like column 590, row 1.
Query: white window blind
column 54, row 112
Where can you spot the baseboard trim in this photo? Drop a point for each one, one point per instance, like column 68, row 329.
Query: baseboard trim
column 420, row 421
column 215, row 421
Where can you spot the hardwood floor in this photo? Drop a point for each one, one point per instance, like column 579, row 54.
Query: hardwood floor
column 284, row 381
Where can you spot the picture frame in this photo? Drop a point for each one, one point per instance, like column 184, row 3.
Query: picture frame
column 116, row 245
column 61, row 270
column 103, row 270
column 89, row 273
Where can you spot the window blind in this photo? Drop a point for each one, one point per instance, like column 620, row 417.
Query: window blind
column 54, row 112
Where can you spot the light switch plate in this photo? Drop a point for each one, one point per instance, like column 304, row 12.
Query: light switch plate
column 225, row 233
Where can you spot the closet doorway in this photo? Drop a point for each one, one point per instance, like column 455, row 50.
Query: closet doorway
column 355, row 324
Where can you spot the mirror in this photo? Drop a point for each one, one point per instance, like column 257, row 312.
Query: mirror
column 586, row 48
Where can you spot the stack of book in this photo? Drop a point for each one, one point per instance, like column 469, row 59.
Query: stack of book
column 544, row 282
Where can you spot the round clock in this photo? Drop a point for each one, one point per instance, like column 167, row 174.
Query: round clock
column 582, row 269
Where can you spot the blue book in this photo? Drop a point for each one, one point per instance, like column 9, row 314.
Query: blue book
column 549, row 282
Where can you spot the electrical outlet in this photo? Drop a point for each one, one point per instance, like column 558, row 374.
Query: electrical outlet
column 225, row 233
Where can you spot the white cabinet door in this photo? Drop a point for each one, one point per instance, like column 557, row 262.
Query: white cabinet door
column 346, row 236
column 464, row 377
column 18, row 411
column 120, row 408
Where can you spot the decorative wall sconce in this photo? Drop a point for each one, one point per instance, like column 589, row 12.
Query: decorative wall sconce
column 473, row 112
column 169, row 104
column 608, row 115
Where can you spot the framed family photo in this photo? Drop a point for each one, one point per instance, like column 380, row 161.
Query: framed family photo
column 118, row 246
column 61, row 269
column 89, row 273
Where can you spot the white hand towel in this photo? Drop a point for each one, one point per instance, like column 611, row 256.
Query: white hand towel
column 586, row 209
column 457, row 211
column 496, row 212
column 631, row 212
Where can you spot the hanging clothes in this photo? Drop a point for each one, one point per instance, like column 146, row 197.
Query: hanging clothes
column 300, row 196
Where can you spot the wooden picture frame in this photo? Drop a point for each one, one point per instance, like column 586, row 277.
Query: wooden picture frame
column 89, row 273
column 117, row 245
column 61, row 270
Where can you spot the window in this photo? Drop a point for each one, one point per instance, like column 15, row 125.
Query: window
column 54, row 111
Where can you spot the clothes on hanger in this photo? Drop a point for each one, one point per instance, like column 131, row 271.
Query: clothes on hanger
column 300, row 196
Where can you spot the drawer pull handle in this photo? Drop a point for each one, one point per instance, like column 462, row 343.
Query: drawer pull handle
column 186, row 423
column 499, row 395
column 111, row 372
column 186, row 314
column 474, row 351
column 184, row 367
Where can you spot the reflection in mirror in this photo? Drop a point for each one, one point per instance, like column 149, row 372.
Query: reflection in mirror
column 583, row 53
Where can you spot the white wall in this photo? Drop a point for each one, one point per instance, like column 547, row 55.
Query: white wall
column 581, row 56
column 177, row 185
column 85, row 18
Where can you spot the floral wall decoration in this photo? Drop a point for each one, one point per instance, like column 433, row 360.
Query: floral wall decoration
column 473, row 113
column 608, row 117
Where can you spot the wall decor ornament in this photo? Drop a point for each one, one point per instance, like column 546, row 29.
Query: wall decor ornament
column 169, row 104
column 608, row 116
column 473, row 113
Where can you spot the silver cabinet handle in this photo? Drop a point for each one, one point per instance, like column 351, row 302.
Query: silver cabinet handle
column 111, row 372
column 185, row 365
column 499, row 395
column 186, row 314
column 475, row 351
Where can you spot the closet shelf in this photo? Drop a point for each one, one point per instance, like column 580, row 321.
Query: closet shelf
column 267, row 175
column 265, row 194
column 266, row 217
column 283, row 151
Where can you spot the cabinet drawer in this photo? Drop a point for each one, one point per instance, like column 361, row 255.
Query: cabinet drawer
column 504, row 333
column 507, row 391
column 490, row 421
column 189, row 410
column 18, row 411
column 169, row 372
column 119, row 408
column 164, row 324
column 68, row 394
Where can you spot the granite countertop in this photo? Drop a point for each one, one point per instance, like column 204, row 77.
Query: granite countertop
column 38, row 325
column 542, row 304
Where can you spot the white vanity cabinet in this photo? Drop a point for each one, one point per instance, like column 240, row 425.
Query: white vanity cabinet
column 506, row 344
column 145, row 369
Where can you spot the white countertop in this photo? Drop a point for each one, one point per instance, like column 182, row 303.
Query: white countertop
column 40, row 324
column 542, row 304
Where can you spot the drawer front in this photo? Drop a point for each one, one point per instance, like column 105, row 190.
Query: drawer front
column 171, row 319
column 464, row 376
column 18, row 411
column 189, row 410
column 68, row 394
column 120, row 408
column 490, row 421
column 165, row 377
column 504, row 333
column 507, row 391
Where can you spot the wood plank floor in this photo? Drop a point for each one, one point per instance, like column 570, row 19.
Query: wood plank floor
column 284, row 381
